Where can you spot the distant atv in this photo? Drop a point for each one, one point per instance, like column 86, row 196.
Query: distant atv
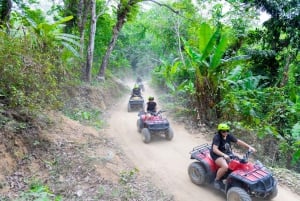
column 243, row 181
column 135, row 103
column 153, row 124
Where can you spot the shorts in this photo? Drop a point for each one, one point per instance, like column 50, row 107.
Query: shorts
column 214, row 156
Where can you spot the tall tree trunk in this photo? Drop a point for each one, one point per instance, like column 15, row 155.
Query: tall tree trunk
column 90, row 51
column 122, row 14
column 5, row 10
column 285, row 74
column 177, row 30
column 82, row 14
column 110, row 48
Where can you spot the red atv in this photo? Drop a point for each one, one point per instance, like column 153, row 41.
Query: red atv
column 243, row 180
column 153, row 123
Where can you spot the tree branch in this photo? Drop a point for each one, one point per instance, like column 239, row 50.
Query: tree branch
column 165, row 5
column 177, row 12
column 103, row 10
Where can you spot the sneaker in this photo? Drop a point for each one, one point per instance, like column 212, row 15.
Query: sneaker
column 218, row 184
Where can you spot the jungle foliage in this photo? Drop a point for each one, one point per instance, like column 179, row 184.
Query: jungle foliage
column 233, row 70
column 224, row 66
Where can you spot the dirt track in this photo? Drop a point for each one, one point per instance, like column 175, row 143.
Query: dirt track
column 166, row 161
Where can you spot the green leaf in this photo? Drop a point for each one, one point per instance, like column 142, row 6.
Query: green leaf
column 210, row 45
column 68, row 37
column 71, row 48
column 205, row 34
column 63, row 20
column 296, row 131
column 220, row 50
column 296, row 157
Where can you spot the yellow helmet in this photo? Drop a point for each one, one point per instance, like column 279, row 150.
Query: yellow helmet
column 150, row 98
column 223, row 127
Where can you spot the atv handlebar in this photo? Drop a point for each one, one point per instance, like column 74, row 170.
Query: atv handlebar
column 151, row 112
column 156, row 113
column 244, row 159
column 248, row 153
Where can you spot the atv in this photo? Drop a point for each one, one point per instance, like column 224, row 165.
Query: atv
column 153, row 123
column 135, row 103
column 243, row 181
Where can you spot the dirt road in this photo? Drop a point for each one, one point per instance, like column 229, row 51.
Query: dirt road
column 166, row 161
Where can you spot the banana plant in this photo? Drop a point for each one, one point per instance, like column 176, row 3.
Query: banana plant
column 205, row 57
column 237, row 79
column 49, row 35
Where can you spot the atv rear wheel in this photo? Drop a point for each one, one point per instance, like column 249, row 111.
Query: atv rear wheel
column 146, row 136
column 197, row 173
column 139, row 125
column 238, row 194
column 169, row 134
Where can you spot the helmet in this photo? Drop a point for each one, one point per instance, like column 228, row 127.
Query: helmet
column 136, row 86
column 223, row 127
column 150, row 98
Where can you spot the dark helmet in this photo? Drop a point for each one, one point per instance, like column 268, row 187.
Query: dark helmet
column 150, row 98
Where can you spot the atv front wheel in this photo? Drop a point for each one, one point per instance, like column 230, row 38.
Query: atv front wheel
column 238, row 194
column 139, row 125
column 169, row 134
column 273, row 194
column 197, row 173
column 146, row 136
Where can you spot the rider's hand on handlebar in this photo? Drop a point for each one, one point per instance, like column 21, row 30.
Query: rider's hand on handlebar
column 226, row 157
column 252, row 149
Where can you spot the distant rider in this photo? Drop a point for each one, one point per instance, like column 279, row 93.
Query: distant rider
column 219, row 153
column 151, row 105
column 139, row 82
column 136, row 91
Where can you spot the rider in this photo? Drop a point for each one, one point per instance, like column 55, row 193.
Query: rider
column 136, row 91
column 220, row 154
column 151, row 105
column 139, row 82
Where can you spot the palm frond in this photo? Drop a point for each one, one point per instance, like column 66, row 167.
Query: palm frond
column 71, row 48
column 219, row 51
column 68, row 37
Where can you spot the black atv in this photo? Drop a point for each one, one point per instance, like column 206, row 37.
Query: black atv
column 243, row 180
column 135, row 103
column 153, row 123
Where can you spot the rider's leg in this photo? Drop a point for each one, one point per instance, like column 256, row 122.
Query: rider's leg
column 223, row 167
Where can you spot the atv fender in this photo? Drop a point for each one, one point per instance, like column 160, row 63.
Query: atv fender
column 210, row 176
